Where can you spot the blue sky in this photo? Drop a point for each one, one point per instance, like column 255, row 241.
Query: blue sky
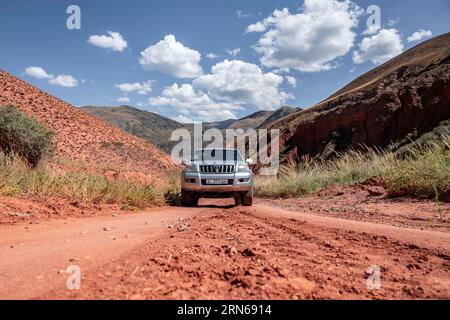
column 156, row 56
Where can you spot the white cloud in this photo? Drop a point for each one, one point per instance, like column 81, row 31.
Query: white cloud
column 241, row 15
column 123, row 99
column 240, row 82
column 171, row 57
column 308, row 41
column 212, row 56
column 113, row 41
column 182, row 119
column 379, row 48
column 64, row 80
column 419, row 35
column 393, row 22
column 194, row 104
column 291, row 81
column 142, row 88
column 234, row 52
column 371, row 30
column 256, row 27
column 38, row 73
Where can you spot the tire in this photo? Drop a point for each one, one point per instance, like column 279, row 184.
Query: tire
column 247, row 198
column 194, row 200
column 237, row 201
column 186, row 199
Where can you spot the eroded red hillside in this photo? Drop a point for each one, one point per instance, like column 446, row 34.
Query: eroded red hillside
column 80, row 136
column 407, row 96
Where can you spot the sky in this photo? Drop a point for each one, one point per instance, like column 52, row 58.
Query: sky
column 207, row 60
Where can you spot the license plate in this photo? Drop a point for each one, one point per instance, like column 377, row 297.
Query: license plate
column 216, row 181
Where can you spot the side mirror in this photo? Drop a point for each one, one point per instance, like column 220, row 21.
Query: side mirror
column 249, row 162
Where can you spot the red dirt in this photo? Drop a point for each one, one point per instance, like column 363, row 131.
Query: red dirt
column 220, row 251
column 16, row 210
column 80, row 136
column 369, row 203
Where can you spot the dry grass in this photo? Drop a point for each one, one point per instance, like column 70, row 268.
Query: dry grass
column 17, row 178
column 424, row 172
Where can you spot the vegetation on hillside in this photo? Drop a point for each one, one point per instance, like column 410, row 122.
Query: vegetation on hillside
column 25, row 145
column 24, row 135
column 18, row 178
column 423, row 172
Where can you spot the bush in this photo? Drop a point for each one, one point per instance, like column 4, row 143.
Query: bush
column 17, row 178
column 309, row 176
column 423, row 172
column 24, row 135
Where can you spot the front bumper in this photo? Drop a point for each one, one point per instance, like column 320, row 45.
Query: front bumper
column 192, row 181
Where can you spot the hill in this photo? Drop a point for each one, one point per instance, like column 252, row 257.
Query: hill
column 144, row 124
column 80, row 136
column 406, row 96
column 157, row 129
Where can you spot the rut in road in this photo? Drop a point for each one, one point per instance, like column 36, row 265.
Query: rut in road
column 240, row 253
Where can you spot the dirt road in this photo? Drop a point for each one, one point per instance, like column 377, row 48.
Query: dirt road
column 227, row 252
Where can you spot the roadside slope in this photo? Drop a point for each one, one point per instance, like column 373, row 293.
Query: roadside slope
column 408, row 95
column 80, row 136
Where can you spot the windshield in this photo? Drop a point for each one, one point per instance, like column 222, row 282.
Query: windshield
column 216, row 155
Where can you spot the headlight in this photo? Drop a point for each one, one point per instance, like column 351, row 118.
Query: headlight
column 191, row 168
column 243, row 168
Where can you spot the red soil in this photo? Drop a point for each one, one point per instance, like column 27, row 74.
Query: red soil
column 80, row 136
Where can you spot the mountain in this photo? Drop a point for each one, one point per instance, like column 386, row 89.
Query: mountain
column 406, row 96
column 147, row 125
column 80, row 136
column 278, row 114
column 157, row 129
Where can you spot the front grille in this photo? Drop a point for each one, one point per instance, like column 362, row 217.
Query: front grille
column 217, row 168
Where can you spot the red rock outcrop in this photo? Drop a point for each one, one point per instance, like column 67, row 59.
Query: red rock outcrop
column 409, row 94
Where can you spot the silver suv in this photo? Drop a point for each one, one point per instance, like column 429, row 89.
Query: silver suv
column 217, row 173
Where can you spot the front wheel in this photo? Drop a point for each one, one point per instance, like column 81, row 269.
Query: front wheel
column 188, row 199
column 247, row 198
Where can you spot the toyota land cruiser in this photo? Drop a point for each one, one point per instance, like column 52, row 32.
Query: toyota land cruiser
column 217, row 173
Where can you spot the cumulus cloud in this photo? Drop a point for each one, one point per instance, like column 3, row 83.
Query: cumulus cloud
column 379, row 48
column 123, row 99
column 63, row 80
column 194, row 104
column 240, row 82
column 142, row 88
column 113, row 41
column 419, row 35
column 173, row 58
column 291, row 81
column 37, row 72
column 234, row 52
column 212, row 56
column 308, row 41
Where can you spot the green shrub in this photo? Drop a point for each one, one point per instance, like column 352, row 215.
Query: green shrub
column 23, row 135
